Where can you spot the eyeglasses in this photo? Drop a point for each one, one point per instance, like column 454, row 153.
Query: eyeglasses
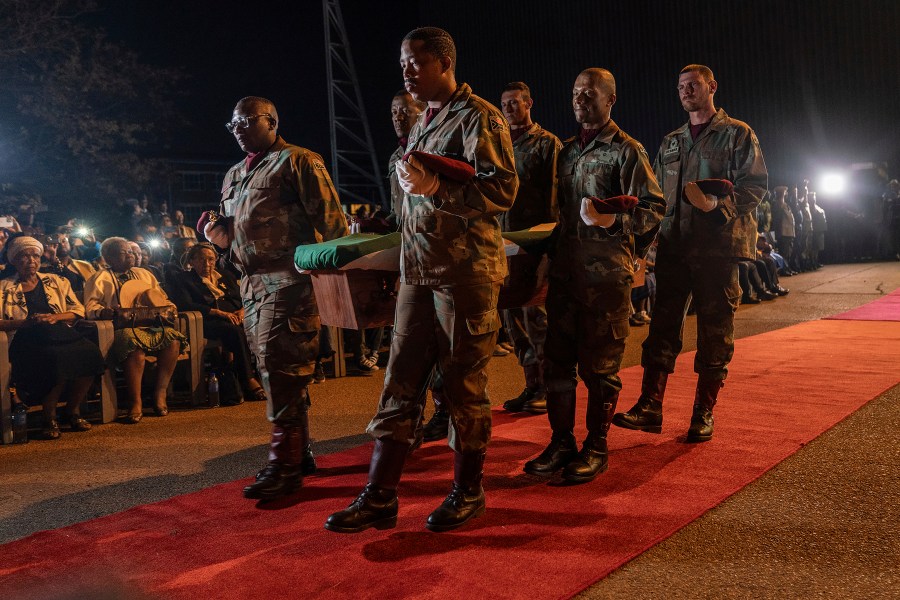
column 244, row 122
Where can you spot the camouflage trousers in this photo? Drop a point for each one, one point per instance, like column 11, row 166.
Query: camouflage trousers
column 455, row 328
column 585, row 339
column 283, row 332
column 527, row 330
column 713, row 284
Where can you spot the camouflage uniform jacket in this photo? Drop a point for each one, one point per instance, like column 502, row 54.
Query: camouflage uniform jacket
column 535, row 151
column 396, row 191
column 454, row 236
column 726, row 149
column 612, row 164
column 286, row 200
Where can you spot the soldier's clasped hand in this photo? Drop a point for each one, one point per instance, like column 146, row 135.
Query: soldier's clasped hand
column 415, row 178
column 593, row 218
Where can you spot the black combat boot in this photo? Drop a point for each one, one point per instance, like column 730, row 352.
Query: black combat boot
column 593, row 458
column 646, row 414
column 308, row 462
column 533, row 398
column 376, row 506
column 701, row 429
column 466, row 499
column 438, row 426
column 283, row 474
column 562, row 448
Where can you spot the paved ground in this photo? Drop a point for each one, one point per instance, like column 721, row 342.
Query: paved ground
column 824, row 523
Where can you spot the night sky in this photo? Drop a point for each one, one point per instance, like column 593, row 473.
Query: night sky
column 818, row 81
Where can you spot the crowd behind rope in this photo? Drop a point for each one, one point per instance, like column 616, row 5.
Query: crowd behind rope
column 80, row 276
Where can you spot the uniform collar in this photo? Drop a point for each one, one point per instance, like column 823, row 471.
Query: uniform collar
column 457, row 101
column 605, row 136
column 532, row 129
column 717, row 124
column 278, row 145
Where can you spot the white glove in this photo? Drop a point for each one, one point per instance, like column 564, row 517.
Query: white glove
column 415, row 178
column 218, row 235
column 700, row 201
column 593, row 218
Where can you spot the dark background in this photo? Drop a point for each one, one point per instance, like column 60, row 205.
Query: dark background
column 817, row 80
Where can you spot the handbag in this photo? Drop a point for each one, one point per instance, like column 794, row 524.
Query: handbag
column 145, row 316
column 143, row 306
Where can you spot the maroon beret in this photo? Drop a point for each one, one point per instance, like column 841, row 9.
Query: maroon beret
column 716, row 187
column 614, row 205
column 206, row 217
column 456, row 170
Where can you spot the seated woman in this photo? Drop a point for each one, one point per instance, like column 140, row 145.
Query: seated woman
column 202, row 288
column 48, row 356
column 132, row 344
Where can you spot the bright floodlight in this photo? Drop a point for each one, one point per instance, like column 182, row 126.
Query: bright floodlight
column 154, row 243
column 83, row 231
column 833, row 184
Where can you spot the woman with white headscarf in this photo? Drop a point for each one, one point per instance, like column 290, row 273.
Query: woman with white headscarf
column 49, row 357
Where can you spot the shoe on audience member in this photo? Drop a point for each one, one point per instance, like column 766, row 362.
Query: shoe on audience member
column 642, row 317
column 782, row 291
column 50, row 430
column 319, row 373
column 746, row 299
column 500, row 351
column 75, row 422
column 766, row 295
column 367, row 365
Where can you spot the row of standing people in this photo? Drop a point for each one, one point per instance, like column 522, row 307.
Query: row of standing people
column 462, row 177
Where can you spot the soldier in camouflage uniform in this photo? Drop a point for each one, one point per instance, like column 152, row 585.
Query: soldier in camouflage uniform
column 405, row 111
column 452, row 264
column 279, row 197
column 591, row 275
column 700, row 243
column 535, row 150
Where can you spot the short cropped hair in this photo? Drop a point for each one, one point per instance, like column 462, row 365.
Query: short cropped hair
column 705, row 71
column 604, row 77
column 437, row 42
column 261, row 104
column 109, row 244
column 519, row 86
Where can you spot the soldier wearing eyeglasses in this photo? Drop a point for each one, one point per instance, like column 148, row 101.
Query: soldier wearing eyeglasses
column 280, row 196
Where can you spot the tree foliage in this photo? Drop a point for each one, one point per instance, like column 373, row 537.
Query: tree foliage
column 78, row 112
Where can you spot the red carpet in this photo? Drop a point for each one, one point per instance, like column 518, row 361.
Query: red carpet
column 883, row 309
column 215, row 544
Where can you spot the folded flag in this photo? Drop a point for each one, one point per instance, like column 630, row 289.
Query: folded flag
column 715, row 187
column 456, row 170
column 614, row 205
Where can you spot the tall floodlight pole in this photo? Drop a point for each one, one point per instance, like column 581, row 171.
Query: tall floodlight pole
column 354, row 164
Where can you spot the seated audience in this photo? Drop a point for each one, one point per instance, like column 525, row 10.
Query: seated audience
column 752, row 287
column 132, row 344
column 50, row 263
column 175, row 265
column 217, row 296
column 49, row 357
